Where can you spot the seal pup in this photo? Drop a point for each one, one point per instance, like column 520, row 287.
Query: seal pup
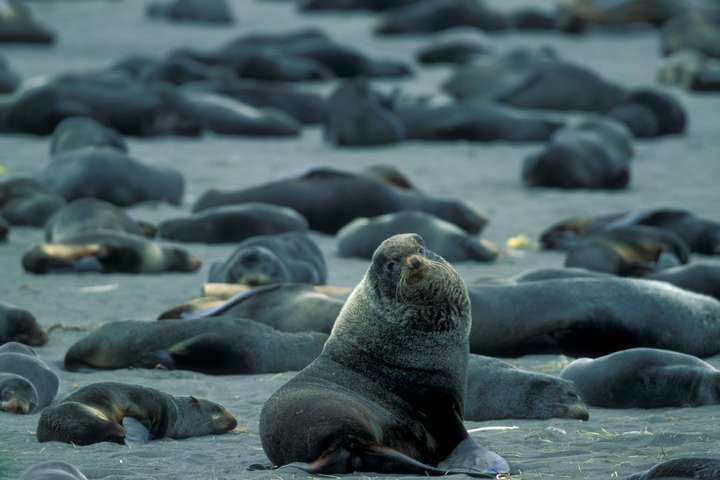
column 386, row 395
column 233, row 224
column 18, row 325
column 645, row 378
column 454, row 52
column 682, row 468
column 111, row 175
column 53, row 471
column 215, row 12
column 361, row 237
column 284, row 258
column 330, row 199
column 28, row 202
column 99, row 413
column 217, row 346
column 91, row 214
column 75, row 133
column 497, row 390
column 26, row 383
column 108, row 251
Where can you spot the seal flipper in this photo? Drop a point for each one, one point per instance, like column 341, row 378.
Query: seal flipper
column 472, row 459
column 229, row 303
column 135, row 432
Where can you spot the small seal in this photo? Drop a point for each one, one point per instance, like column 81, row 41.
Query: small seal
column 386, row 395
column 120, row 413
column 645, row 378
column 682, row 468
column 26, row 383
column 18, row 325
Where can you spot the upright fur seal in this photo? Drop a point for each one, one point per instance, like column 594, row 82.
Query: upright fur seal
column 108, row 251
column 387, row 393
column 26, row 383
column 18, row 325
column 361, row 237
column 329, row 199
column 99, row 413
column 284, row 258
column 233, row 224
column 645, row 378
column 682, row 468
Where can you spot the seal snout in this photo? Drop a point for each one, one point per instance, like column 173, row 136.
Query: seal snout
column 415, row 262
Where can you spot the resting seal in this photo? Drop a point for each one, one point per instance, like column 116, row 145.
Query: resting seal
column 100, row 412
column 26, row 383
column 361, row 237
column 108, row 251
column 386, row 394
column 17, row 325
column 24, row 201
column 233, row 224
column 284, row 258
column 682, row 468
column 75, row 133
column 645, row 378
column 330, row 199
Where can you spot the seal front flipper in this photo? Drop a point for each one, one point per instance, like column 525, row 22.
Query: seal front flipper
column 135, row 432
column 469, row 458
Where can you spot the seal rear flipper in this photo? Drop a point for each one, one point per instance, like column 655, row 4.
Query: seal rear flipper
column 135, row 432
column 469, row 458
column 379, row 459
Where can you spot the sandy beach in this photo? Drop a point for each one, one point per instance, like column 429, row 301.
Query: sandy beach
column 676, row 171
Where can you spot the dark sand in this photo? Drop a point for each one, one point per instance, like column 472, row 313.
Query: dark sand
column 680, row 172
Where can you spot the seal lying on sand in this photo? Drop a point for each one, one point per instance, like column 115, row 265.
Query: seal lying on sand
column 18, row 26
column 25, row 201
column 75, row 133
column 386, row 394
column 284, row 258
column 233, row 224
column 629, row 251
column 592, row 317
column 701, row 236
column 361, row 237
column 645, row 378
column 100, row 413
column 682, row 468
column 330, row 199
column 18, row 325
column 215, row 346
column 53, row 471
column 108, row 251
column 216, row 12
column 91, row 214
column 26, row 383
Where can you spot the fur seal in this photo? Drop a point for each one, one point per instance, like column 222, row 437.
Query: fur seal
column 15, row 347
column 437, row 15
column 592, row 317
column 75, row 133
column 18, row 325
column 91, row 214
column 18, row 26
column 690, row 70
column 330, row 199
column 99, row 413
column 645, row 378
column 26, row 383
column 108, row 251
column 214, row 12
column 361, row 237
column 28, row 202
column 386, row 395
column 283, row 258
column 233, row 224
column 453, row 52
column 218, row 346
column 113, row 176
column 681, row 468
column 633, row 251
column 497, row 390
column 593, row 154
column 701, row 235
column 53, row 471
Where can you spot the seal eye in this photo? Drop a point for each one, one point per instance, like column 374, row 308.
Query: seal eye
column 421, row 251
column 390, row 267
